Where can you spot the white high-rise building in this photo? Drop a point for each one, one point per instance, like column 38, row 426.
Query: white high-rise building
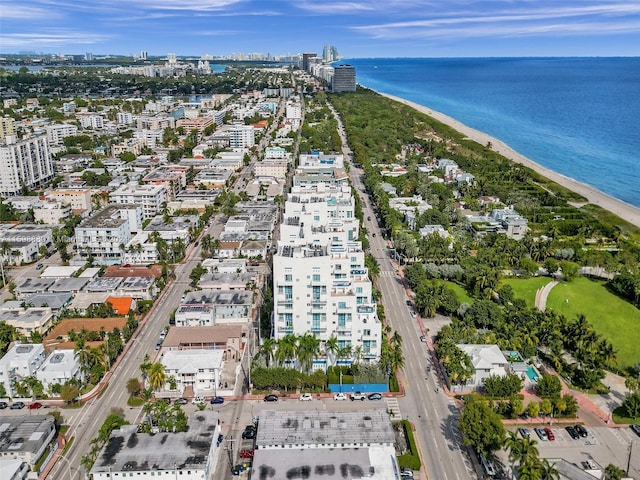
column 241, row 136
column 24, row 163
column 58, row 131
column 321, row 284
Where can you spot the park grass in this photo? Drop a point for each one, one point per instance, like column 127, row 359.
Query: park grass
column 463, row 296
column 526, row 288
column 612, row 317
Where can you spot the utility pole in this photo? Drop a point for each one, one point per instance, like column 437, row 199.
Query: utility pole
column 629, row 458
column 230, row 441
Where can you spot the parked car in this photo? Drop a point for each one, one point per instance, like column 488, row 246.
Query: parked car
column 340, row 396
column 375, row 396
column 220, row 439
column 237, row 470
column 3, row 405
column 198, row 399
column 406, row 473
column 357, row 396
column 582, row 431
column 17, row 405
column 635, row 427
column 524, row 432
column 35, row 406
column 246, row 453
column 39, row 266
column 541, row 433
column 249, row 432
column 408, row 302
column 306, row 397
column 217, row 400
column 571, row 430
column 549, row 433
column 271, row 398
column 423, row 339
column 181, row 401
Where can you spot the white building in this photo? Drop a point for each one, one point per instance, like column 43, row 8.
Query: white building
column 190, row 455
column 27, row 320
column 51, row 212
column 149, row 197
column 95, row 122
column 25, row 241
column 212, row 307
column 321, row 284
column 26, row 438
column 272, row 167
column 197, row 370
column 59, row 367
column 141, row 250
column 241, row 136
column 328, row 445
column 104, row 234
column 125, row 118
column 24, row 163
column 487, row 361
column 57, row 132
column 22, row 360
column 78, row 198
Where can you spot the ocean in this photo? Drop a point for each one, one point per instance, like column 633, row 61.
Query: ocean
column 577, row 116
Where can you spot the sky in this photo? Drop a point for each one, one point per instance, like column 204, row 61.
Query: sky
column 358, row 28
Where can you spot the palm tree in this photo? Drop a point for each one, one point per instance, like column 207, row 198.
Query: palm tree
column 357, row 354
column 82, row 354
column 157, row 376
column 548, row 471
column 286, row 350
column 331, row 349
column 308, row 349
column 267, row 347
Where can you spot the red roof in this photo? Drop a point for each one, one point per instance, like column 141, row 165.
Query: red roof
column 121, row 305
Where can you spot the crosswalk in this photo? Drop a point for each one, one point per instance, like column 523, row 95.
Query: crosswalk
column 394, row 409
column 388, row 273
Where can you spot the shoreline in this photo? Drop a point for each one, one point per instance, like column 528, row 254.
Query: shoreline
column 624, row 210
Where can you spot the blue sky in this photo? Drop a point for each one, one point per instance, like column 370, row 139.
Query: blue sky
column 358, row 28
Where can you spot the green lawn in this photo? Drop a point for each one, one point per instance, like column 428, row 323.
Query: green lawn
column 612, row 317
column 463, row 296
column 526, row 288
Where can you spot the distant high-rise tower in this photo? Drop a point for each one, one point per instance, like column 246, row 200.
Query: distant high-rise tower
column 344, row 79
column 305, row 60
column 143, row 55
column 171, row 58
column 330, row 54
column 88, row 57
column 6, row 127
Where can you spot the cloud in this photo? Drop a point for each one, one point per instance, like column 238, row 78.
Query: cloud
column 191, row 5
column 51, row 39
column 335, row 7
column 14, row 11
column 592, row 18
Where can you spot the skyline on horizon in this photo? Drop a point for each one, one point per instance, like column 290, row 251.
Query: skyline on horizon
column 358, row 28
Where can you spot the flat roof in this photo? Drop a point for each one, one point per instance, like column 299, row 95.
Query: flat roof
column 68, row 284
column 103, row 284
column 31, row 284
column 51, row 300
column 326, row 428
column 197, row 335
column 25, row 433
column 127, row 450
column 219, row 297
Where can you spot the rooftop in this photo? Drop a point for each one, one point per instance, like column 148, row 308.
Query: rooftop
column 217, row 334
column 24, row 433
column 219, row 297
column 103, row 284
column 107, row 217
column 130, row 451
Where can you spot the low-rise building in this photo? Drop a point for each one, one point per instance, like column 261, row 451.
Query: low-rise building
column 58, row 368
column 51, row 212
column 27, row 320
column 22, row 360
column 25, row 241
column 211, row 307
column 410, row 207
column 355, row 444
column 149, row 197
column 196, row 371
column 228, row 338
column 212, row 178
column 487, row 361
column 78, row 198
column 172, row 178
column 27, row 438
column 190, row 455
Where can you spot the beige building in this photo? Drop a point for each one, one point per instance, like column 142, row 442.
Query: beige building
column 79, row 199
column 51, row 212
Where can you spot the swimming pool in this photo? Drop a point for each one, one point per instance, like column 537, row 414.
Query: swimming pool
column 532, row 374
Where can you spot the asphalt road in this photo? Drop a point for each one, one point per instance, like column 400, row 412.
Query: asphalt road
column 85, row 425
column 434, row 414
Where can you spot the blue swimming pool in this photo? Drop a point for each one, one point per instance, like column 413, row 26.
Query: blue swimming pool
column 532, row 374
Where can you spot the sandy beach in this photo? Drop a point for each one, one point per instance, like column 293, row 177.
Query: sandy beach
column 624, row 210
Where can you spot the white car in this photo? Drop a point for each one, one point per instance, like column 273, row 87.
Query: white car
column 340, row 396
column 306, row 397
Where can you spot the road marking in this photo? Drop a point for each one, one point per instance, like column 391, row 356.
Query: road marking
column 394, row 408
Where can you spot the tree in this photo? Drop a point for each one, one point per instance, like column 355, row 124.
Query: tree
column 267, row 347
column 548, row 386
column 134, row 387
column 69, row 392
column 533, row 409
column 82, row 353
column 546, row 407
column 481, row 427
column 631, row 404
column 157, row 376
column 331, row 347
column 613, row 472
column 521, row 450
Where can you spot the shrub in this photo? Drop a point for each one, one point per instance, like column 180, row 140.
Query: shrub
column 409, row 460
column 502, row 387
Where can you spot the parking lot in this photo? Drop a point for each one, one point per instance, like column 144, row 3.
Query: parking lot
column 602, row 446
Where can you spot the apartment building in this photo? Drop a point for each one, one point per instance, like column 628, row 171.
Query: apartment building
column 149, row 197
column 24, row 163
column 241, row 136
column 106, row 233
column 6, row 126
column 79, row 199
column 173, row 179
column 57, row 132
column 195, row 123
column 22, row 360
column 155, row 122
column 321, row 284
column 95, row 122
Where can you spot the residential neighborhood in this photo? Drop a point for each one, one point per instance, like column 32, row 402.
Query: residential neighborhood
column 229, row 282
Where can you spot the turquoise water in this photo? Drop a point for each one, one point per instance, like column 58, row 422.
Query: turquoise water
column 577, row 116
column 532, row 374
